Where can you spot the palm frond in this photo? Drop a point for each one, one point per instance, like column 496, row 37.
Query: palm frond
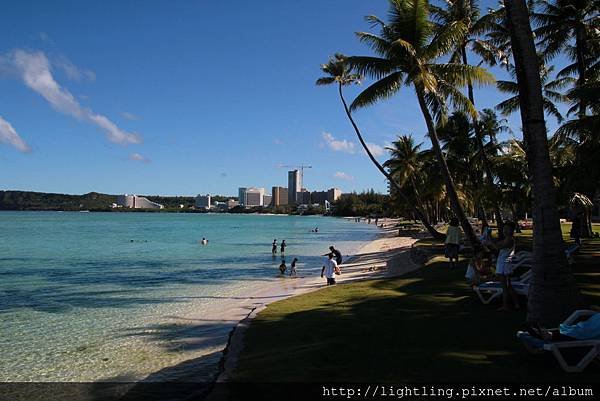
column 381, row 89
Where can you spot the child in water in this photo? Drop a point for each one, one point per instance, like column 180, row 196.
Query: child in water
column 293, row 267
column 282, row 267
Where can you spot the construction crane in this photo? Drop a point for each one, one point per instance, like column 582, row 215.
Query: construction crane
column 300, row 167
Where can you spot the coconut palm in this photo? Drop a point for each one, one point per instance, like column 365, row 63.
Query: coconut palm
column 571, row 27
column 553, row 294
column 550, row 92
column 467, row 14
column 339, row 73
column 408, row 48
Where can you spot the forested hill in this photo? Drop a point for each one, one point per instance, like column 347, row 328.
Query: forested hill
column 93, row 201
column 25, row 200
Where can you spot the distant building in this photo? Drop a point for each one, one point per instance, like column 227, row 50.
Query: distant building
column 232, row 203
column 267, row 199
column 220, row 206
column 242, row 196
column 279, row 196
column 294, row 186
column 136, row 202
column 203, row 202
column 254, row 197
column 330, row 196
column 303, row 197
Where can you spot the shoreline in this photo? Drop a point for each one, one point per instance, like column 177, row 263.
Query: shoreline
column 387, row 255
column 221, row 329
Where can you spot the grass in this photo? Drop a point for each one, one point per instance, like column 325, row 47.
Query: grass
column 425, row 326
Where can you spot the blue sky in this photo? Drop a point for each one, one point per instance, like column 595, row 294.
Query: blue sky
column 186, row 97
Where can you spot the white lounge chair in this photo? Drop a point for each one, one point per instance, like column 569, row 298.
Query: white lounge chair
column 491, row 290
column 537, row 346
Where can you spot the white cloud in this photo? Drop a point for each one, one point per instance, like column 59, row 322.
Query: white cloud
column 34, row 69
column 343, row 176
column 9, row 136
column 129, row 116
column 375, row 149
column 336, row 145
column 139, row 158
column 71, row 70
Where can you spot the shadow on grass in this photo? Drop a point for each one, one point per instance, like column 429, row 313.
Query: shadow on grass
column 426, row 326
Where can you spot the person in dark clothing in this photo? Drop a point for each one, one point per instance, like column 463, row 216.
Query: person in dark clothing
column 338, row 255
column 283, row 245
column 282, row 267
column 274, row 249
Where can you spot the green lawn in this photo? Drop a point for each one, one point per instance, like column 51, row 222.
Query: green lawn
column 425, row 326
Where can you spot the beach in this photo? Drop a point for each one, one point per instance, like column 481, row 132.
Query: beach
column 221, row 329
column 386, row 256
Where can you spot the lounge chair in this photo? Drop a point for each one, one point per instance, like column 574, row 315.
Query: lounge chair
column 537, row 346
column 491, row 290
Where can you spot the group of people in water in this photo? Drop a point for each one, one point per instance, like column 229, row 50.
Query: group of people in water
column 330, row 268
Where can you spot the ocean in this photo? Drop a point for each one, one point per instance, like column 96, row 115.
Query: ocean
column 123, row 296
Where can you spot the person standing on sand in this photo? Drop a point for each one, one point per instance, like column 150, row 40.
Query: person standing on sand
column 283, row 245
column 330, row 270
column 274, row 249
column 337, row 253
column 293, row 267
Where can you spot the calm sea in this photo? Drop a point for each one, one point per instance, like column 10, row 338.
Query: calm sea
column 107, row 296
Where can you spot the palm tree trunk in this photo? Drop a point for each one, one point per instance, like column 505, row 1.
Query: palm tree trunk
column 553, row 293
column 418, row 213
column 484, row 159
column 450, row 188
column 579, row 43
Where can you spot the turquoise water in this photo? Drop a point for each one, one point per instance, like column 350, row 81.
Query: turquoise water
column 111, row 296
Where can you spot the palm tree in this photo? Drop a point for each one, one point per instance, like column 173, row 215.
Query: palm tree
column 571, row 25
column 550, row 93
column 408, row 48
column 553, row 294
column 466, row 13
column 338, row 72
column 404, row 163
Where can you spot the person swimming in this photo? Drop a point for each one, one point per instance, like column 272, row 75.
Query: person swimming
column 204, row 241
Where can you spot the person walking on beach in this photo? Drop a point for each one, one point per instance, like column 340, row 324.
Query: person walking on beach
column 274, row 249
column 293, row 267
column 283, row 245
column 338, row 255
column 452, row 242
column 282, row 267
column 330, row 270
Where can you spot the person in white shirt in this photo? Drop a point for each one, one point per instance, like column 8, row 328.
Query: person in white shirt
column 330, row 269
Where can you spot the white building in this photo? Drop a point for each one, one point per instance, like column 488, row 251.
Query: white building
column 203, row 202
column 136, row 202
